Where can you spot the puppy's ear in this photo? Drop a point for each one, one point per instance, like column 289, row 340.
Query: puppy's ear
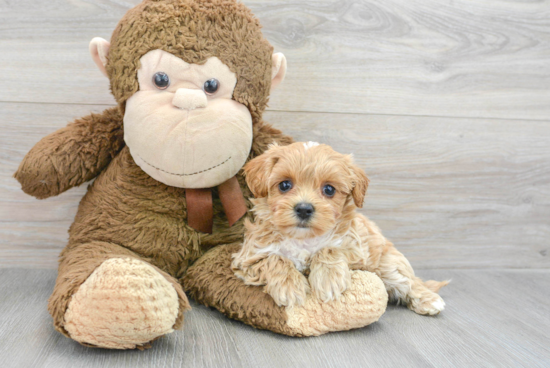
column 257, row 172
column 360, row 184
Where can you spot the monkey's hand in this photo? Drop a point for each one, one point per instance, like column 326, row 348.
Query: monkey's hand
column 72, row 155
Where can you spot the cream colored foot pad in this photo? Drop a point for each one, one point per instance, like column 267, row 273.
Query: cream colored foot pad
column 123, row 304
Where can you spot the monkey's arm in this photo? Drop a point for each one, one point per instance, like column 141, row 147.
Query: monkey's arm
column 71, row 155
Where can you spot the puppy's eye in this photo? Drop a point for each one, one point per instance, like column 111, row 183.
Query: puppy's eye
column 329, row 190
column 211, row 86
column 161, row 80
column 285, row 186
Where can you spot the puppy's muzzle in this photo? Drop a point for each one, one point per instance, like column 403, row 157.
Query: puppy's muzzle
column 304, row 211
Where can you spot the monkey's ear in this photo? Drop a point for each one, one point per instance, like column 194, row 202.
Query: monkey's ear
column 360, row 185
column 99, row 48
column 258, row 170
column 278, row 69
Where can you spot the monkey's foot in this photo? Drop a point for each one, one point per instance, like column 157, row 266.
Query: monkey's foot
column 124, row 304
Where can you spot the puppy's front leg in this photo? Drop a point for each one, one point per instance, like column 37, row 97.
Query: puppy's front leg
column 329, row 274
column 286, row 285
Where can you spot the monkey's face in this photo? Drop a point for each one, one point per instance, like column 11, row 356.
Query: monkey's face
column 182, row 127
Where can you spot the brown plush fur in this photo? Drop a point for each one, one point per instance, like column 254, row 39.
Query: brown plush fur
column 125, row 212
column 194, row 30
column 72, row 155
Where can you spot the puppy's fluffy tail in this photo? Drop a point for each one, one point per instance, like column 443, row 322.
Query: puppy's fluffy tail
column 436, row 285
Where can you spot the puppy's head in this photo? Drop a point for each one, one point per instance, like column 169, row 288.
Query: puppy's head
column 309, row 188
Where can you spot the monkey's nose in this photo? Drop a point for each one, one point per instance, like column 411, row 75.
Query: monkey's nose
column 189, row 99
column 304, row 210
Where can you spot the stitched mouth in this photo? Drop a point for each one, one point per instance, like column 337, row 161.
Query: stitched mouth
column 195, row 173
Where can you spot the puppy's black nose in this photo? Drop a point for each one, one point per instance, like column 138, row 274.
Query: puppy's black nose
column 304, row 210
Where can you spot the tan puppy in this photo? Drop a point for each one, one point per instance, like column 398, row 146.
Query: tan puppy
column 306, row 223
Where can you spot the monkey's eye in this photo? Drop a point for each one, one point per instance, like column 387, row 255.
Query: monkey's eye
column 161, row 80
column 329, row 190
column 211, row 86
column 285, row 186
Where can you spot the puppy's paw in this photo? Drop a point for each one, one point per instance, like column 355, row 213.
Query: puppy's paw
column 288, row 290
column 328, row 282
column 430, row 304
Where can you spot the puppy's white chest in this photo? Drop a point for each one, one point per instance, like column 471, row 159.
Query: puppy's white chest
column 301, row 251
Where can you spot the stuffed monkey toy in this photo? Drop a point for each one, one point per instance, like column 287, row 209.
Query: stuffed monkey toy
column 166, row 209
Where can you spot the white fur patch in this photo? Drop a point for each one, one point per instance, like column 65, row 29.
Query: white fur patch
column 439, row 305
column 300, row 251
column 310, row 144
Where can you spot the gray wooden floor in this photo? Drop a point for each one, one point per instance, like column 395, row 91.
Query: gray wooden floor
column 445, row 104
column 497, row 318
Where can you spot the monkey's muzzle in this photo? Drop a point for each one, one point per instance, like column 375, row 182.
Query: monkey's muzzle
column 189, row 99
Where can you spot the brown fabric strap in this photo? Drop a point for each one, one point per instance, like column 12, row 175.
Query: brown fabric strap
column 200, row 213
column 233, row 200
